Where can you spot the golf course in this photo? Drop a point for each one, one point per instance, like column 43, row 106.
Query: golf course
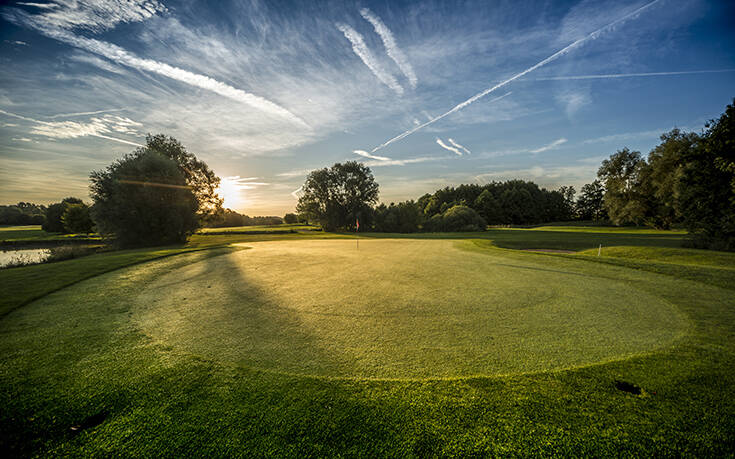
column 313, row 343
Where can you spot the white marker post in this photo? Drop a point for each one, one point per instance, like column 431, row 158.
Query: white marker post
column 599, row 249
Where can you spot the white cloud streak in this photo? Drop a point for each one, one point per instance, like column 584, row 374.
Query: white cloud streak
column 368, row 155
column 627, row 75
column 454, row 150
column 95, row 127
column 403, row 162
column 459, row 146
column 95, row 15
column 55, row 28
column 72, row 115
column 428, row 123
column 361, row 50
column 591, row 36
column 556, row 143
column 389, row 41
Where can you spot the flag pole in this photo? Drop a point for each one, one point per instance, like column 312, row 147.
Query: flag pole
column 357, row 227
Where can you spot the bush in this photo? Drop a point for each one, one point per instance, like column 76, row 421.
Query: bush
column 290, row 219
column 457, row 218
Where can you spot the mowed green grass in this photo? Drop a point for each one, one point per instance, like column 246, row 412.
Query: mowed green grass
column 391, row 308
column 89, row 357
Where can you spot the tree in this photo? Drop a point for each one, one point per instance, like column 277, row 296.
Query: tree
column 706, row 189
column 337, row 196
column 404, row 217
column 53, row 223
column 489, row 208
column 290, row 218
column 620, row 175
column 198, row 176
column 144, row 199
column 590, row 203
column 76, row 219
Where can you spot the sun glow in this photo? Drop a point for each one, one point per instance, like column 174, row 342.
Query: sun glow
column 232, row 190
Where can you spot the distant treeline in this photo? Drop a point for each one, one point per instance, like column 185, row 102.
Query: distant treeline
column 23, row 213
column 229, row 218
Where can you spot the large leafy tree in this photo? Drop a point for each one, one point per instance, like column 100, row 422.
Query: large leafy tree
column 144, row 199
column 590, row 202
column 198, row 176
column 621, row 177
column 659, row 180
column 706, row 188
column 337, row 196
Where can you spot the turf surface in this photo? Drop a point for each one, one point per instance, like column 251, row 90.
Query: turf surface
column 82, row 375
column 392, row 308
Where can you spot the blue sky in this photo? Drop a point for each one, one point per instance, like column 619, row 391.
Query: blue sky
column 428, row 94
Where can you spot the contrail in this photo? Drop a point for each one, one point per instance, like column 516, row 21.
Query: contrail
column 362, row 51
column 459, row 146
column 394, row 52
column 71, row 115
column 447, row 147
column 540, row 64
column 431, row 121
column 550, row 146
column 627, row 75
column 368, row 155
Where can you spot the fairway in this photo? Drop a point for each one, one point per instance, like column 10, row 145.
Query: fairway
column 400, row 309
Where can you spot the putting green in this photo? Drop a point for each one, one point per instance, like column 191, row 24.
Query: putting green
column 402, row 309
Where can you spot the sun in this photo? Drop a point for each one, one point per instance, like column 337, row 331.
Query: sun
column 231, row 191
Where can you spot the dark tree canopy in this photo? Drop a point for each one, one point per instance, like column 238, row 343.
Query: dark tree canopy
column 197, row 174
column 590, row 203
column 144, row 199
column 76, row 219
column 54, row 212
column 337, row 196
column 23, row 213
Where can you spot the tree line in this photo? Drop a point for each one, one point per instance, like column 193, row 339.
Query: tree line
column 688, row 180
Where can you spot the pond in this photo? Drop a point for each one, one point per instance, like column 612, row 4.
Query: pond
column 27, row 256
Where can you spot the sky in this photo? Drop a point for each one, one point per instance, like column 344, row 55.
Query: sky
column 427, row 94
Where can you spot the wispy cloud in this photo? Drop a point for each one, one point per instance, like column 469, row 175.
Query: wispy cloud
column 556, row 143
column 297, row 173
column 591, row 36
column 95, row 127
column 22, row 139
column 459, row 146
column 297, row 192
column 403, row 162
column 389, row 41
column 361, row 50
column 104, row 15
column 368, row 155
column 96, row 15
column 454, row 150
